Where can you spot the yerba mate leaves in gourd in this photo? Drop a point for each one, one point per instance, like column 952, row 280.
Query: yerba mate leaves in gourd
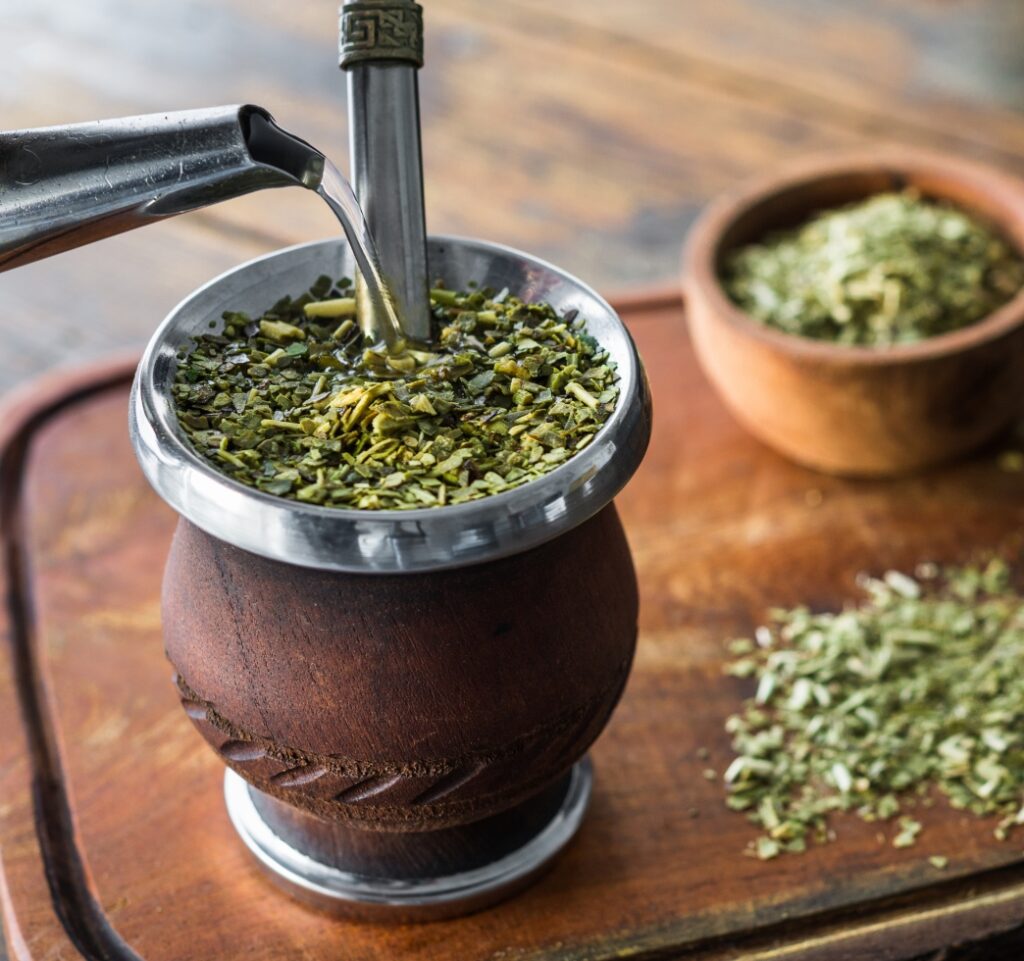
column 892, row 269
column 293, row 404
column 920, row 687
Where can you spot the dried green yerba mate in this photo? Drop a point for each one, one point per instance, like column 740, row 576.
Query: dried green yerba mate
column 892, row 269
column 920, row 688
column 293, row 404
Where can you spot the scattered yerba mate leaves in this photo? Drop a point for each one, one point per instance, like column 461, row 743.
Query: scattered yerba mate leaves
column 870, row 710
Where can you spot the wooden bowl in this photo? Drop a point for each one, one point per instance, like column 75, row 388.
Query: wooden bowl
column 857, row 411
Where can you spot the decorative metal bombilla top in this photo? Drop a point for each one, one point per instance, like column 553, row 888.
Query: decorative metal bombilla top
column 381, row 30
column 381, row 48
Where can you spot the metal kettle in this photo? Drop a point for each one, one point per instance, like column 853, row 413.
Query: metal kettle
column 61, row 187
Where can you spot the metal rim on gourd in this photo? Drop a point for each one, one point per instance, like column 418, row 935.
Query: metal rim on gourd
column 363, row 541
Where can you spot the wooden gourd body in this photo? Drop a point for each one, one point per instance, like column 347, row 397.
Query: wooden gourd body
column 402, row 703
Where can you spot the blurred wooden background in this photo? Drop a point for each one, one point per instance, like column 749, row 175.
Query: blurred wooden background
column 588, row 132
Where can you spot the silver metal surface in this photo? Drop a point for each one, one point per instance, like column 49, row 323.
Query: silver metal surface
column 66, row 186
column 330, row 888
column 388, row 180
column 387, row 541
column 381, row 47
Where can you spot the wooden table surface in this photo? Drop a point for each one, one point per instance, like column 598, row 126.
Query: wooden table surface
column 721, row 528
column 588, row 132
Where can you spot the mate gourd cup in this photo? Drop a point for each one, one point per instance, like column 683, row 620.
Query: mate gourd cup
column 852, row 410
column 402, row 697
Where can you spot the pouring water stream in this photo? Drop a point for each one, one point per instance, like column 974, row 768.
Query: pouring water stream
column 269, row 144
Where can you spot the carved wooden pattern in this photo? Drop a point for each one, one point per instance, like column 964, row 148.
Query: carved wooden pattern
column 349, row 789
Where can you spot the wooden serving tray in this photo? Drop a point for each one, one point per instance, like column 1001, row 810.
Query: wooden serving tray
column 113, row 835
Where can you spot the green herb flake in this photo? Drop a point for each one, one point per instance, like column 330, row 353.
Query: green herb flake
column 892, row 269
column 294, row 404
column 336, row 307
column 1011, row 461
column 915, row 691
column 907, row 836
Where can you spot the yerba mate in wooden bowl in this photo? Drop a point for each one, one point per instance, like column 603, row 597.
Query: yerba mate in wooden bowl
column 403, row 696
column 863, row 313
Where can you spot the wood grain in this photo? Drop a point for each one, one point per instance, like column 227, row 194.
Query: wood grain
column 721, row 528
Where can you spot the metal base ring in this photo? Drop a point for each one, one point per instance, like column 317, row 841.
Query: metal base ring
column 381, row 898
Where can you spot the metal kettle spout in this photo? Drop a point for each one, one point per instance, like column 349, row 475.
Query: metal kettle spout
column 61, row 187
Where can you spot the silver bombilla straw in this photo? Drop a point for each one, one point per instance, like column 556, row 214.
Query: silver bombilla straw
column 381, row 48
